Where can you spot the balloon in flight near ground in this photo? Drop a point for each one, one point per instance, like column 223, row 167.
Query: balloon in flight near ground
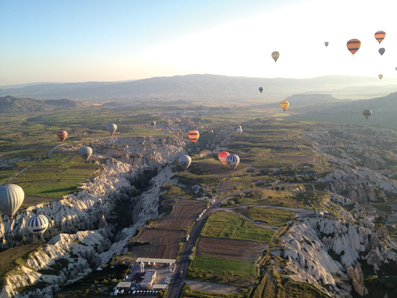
column 275, row 56
column 85, row 152
column 111, row 127
column 222, row 156
column 260, row 89
column 185, row 161
column 37, row 224
column 353, row 45
column 193, row 135
column 62, row 135
column 239, row 130
column 153, row 123
column 232, row 161
column 367, row 113
column 382, row 51
column 380, row 76
column 326, row 43
column 11, row 198
column 210, row 131
column 284, row 105
column 380, row 35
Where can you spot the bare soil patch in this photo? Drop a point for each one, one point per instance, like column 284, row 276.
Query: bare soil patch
column 230, row 248
column 182, row 216
column 211, row 287
column 165, row 243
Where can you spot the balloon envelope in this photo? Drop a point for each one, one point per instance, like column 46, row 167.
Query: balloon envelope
column 222, row 156
column 326, row 43
column 232, row 161
column 185, row 161
column 111, row 127
column 62, row 135
column 367, row 113
column 85, row 152
column 353, row 45
column 380, row 76
column 11, row 198
column 284, row 105
column 382, row 51
column 153, row 123
column 239, row 130
column 37, row 224
column 193, row 135
column 275, row 55
column 380, row 35
column 260, row 89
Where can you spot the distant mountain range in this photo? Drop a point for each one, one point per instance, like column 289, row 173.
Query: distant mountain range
column 12, row 104
column 207, row 88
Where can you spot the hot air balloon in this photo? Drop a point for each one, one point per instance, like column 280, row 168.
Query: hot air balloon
column 260, row 89
column 62, row 135
column 37, row 224
column 275, row 55
column 382, row 51
column 193, row 135
column 111, row 127
column 239, row 130
column 153, row 123
column 380, row 35
column 232, row 161
column 353, row 45
column 210, row 131
column 185, row 161
column 367, row 113
column 222, row 156
column 11, row 198
column 85, row 152
column 284, row 105
column 380, row 76
column 326, row 43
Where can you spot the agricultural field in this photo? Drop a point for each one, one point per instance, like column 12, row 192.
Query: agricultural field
column 230, row 248
column 220, row 265
column 164, row 243
column 271, row 216
column 183, row 215
column 233, row 226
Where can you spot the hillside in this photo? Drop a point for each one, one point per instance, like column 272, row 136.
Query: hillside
column 13, row 104
column 207, row 88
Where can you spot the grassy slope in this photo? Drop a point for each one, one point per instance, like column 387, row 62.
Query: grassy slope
column 273, row 217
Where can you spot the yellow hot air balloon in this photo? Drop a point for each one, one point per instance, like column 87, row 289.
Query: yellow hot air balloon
column 380, row 36
column 380, row 76
column 284, row 105
column 353, row 45
column 193, row 135
column 275, row 55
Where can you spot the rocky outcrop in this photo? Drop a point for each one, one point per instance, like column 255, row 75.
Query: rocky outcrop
column 357, row 277
column 371, row 164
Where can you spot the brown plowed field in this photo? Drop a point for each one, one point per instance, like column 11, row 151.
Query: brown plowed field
column 183, row 215
column 230, row 248
column 165, row 243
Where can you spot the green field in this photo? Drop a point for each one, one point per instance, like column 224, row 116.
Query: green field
column 271, row 216
column 233, row 226
column 219, row 265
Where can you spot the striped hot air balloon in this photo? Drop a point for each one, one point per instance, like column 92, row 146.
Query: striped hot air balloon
column 284, row 105
column 62, row 135
column 222, row 156
column 367, row 113
column 232, row 161
column 380, row 36
column 153, row 123
column 37, row 224
column 353, row 45
column 275, row 56
column 193, row 135
column 111, row 128
column 11, row 198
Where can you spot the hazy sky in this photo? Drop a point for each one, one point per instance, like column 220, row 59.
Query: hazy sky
column 83, row 40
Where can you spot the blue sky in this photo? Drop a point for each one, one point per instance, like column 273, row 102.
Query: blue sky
column 75, row 41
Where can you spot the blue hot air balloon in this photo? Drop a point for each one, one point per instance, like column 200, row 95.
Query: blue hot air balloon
column 232, row 161
column 37, row 224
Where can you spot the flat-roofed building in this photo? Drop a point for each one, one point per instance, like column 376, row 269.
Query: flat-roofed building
column 148, row 279
column 123, row 285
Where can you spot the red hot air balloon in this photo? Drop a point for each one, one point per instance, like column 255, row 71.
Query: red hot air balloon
column 222, row 156
column 353, row 45
column 193, row 135
column 62, row 135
